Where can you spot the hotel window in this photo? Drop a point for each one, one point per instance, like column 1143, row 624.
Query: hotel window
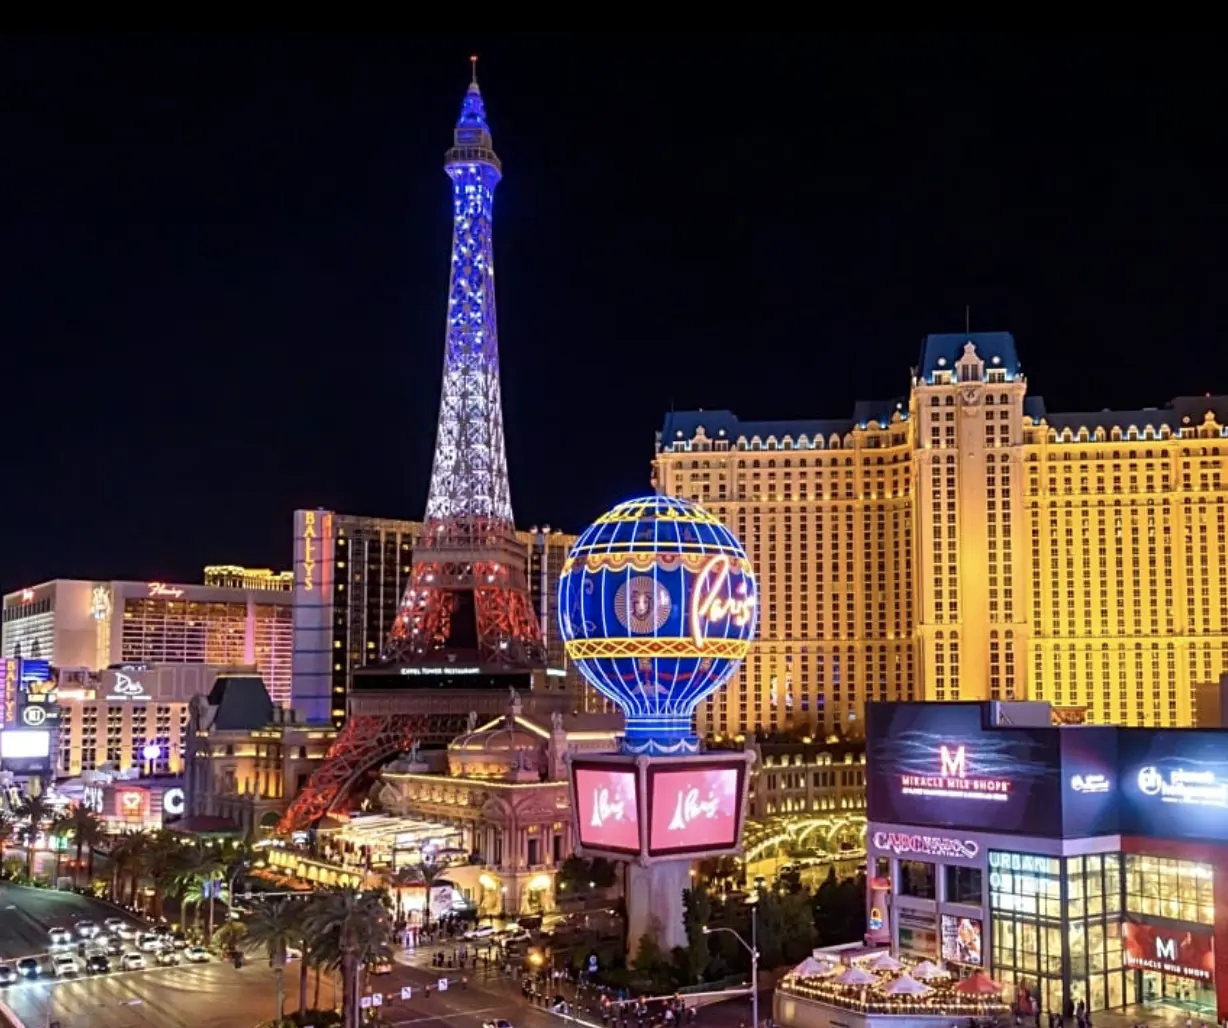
column 963, row 885
column 917, row 879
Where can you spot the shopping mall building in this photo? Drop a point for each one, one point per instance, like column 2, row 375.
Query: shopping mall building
column 1075, row 863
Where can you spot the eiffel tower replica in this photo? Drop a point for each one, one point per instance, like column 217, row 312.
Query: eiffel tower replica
column 466, row 634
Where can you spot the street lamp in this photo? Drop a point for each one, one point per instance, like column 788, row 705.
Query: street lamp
column 753, row 949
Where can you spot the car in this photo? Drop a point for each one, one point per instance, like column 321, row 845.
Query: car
column 167, row 958
column 162, row 930
column 97, row 964
column 114, row 924
column 59, row 936
column 293, row 953
column 29, row 967
column 7, row 976
column 114, row 946
column 132, row 962
column 196, row 955
column 381, row 963
column 85, row 929
column 147, row 942
column 64, row 965
column 515, row 935
column 179, row 940
column 498, row 1022
column 481, row 932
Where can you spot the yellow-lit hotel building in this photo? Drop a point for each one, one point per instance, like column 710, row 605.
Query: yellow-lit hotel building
column 966, row 543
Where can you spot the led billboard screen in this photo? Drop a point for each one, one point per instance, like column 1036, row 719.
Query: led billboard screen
column 1174, row 784
column 24, row 744
column 937, row 764
column 1090, row 781
column 607, row 806
column 694, row 808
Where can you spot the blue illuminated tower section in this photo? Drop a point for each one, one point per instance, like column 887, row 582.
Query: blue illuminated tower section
column 468, row 595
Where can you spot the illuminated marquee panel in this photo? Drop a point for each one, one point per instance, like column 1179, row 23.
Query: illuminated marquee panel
column 695, row 808
column 8, row 691
column 607, row 806
column 659, row 807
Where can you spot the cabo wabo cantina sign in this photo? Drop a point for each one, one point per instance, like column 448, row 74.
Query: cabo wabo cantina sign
column 903, row 844
column 953, row 779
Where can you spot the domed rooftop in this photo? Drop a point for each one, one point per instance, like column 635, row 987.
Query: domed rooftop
column 507, row 747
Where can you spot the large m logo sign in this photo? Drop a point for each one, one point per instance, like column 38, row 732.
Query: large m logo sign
column 954, row 763
column 1166, row 949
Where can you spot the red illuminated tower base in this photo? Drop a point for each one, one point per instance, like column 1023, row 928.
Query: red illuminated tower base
column 658, row 815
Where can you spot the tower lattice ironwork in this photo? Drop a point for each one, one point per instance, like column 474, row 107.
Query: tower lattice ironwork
column 467, row 601
column 468, row 597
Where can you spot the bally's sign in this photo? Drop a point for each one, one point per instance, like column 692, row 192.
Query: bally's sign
column 909, row 843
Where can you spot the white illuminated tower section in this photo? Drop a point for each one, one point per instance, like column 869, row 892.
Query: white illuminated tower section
column 468, row 595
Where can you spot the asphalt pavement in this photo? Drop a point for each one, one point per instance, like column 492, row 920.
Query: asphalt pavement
column 27, row 915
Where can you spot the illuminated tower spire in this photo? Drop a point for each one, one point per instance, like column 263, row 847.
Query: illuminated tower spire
column 468, row 590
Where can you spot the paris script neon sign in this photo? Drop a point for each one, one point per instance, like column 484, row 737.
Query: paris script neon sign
column 713, row 600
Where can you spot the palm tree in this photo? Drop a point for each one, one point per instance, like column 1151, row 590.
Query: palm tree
column 274, row 927
column 129, row 859
column 7, row 832
column 347, row 928
column 37, row 812
column 200, row 879
column 86, row 831
column 428, row 872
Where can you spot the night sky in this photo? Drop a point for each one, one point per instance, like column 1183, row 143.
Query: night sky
column 225, row 259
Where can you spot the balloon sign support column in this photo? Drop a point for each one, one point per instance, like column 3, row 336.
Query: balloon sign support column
column 657, row 606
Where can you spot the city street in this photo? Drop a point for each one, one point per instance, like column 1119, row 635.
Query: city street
column 216, row 995
column 27, row 914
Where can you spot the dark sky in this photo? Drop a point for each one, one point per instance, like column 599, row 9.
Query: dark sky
column 225, row 259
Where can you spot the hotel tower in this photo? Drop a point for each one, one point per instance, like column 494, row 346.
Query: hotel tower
column 965, row 543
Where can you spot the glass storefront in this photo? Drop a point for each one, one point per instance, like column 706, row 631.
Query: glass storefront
column 1180, row 890
column 1105, row 929
column 1057, row 921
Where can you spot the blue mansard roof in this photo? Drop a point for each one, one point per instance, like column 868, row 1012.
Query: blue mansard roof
column 1181, row 412
column 723, row 424
column 949, row 347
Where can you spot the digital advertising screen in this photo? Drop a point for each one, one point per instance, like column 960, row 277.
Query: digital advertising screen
column 695, row 807
column 1174, row 784
column 937, row 764
column 25, row 751
column 1090, row 781
column 962, row 940
column 1176, row 951
column 607, row 806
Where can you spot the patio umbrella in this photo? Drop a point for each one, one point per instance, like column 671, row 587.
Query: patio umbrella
column 928, row 969
column 884, row 962
column 979, row 984
column 906, row 985
column 855, row 976
column 812, row 968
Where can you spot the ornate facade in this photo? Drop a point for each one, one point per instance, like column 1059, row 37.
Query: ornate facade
column 505, row 786
column 964, row 542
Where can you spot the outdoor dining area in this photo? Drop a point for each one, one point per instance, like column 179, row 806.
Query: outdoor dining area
column 862, row 990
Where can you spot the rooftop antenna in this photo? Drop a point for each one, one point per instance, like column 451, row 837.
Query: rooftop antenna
column 967, row 307
column 473, row 63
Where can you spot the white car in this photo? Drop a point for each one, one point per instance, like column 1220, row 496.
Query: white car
column 118, row 926
column 293, row 953
column 481, row 932
column 132, row 962
column 147, row 942
column 196, row 955
column 60, row 937
column 64, row 964
column 86, row 929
